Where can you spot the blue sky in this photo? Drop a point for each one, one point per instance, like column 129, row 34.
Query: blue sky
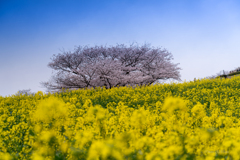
column 202, row 35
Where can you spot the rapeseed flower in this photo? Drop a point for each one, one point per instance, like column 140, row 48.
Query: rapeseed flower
column 190, row 120
column 50, row 109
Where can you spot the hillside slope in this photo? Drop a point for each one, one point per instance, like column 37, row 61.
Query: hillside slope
column 190, row 120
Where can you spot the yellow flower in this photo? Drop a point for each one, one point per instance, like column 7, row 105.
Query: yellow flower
column 198, row 111
column 5, row 156
column 50, row 109
column 64, row 147
column 38, row 128
column 97, row 112
column 36, row 156
column 172, row 104
column 47, row 136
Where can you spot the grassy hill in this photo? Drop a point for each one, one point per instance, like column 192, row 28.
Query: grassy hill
column 190, row 120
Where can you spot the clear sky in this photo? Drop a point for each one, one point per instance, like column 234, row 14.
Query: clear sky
column 202, row 35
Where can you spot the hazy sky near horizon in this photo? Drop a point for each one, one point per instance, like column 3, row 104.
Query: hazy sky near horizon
column 202, row 35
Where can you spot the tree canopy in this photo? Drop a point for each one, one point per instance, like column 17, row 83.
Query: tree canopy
column 120, row 65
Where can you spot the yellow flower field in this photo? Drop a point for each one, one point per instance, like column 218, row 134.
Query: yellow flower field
column 190, row 120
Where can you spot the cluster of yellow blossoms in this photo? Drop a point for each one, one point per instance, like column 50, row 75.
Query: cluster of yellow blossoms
column 190, row 120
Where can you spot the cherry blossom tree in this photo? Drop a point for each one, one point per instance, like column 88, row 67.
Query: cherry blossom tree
column 120, row 65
